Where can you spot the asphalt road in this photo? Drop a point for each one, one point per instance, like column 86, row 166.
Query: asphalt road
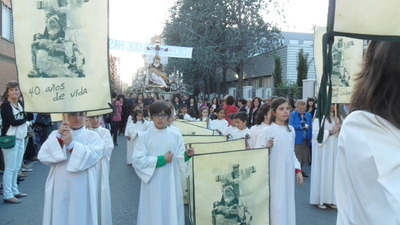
column 125, row 189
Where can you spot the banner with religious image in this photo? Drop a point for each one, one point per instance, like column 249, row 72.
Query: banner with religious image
column 61, row 49
column 347, row 54
column 202, row 147
column 231, row 188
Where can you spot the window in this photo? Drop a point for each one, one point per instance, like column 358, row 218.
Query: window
column 6, row 23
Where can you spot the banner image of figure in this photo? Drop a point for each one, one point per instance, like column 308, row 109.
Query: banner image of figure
column 231, row 188
column 346, row 61
column 232, row 209
column 59, row 54
column 54, row 53
column 156, row 73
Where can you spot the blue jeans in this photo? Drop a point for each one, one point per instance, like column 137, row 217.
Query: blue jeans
column 12, row 160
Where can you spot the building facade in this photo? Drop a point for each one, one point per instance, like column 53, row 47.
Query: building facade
column 8, row 69
column 258, row 70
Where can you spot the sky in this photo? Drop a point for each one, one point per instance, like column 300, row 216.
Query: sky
column 138, row 21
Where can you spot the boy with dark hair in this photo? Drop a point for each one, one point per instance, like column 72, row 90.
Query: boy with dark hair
column 158, row 166
column 240, row 121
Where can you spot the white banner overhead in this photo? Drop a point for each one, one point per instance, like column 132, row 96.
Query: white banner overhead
column 151, row 49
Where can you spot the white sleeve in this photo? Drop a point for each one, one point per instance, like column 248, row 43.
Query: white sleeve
column 143, row 163
column 86, row 155
column 51, row 150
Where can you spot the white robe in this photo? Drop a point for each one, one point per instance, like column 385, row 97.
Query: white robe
column 367, row 175
column 323, row 165
column 255, row 132
column 221, row 125
column 132, row 130
column 103, row 172
column 282, row 165
column 71, row 186
column 161, row 200
column 238, row 134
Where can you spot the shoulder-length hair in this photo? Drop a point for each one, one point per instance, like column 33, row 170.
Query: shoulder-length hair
column 259, row 102
column 274, row 106
column 264, row 110
column 11, row 84
column 134, row 115
column 377, row 85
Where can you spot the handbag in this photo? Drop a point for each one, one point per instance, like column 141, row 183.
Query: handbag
column 7, row 142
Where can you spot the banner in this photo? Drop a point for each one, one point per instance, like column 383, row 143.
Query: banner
column 347, row 54
column 231, row 188
column 188, row 139
column 190, row 129
column 62, row 54
column 204, row 148
column 371, row 17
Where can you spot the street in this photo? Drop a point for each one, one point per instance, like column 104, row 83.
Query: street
column 125, row 188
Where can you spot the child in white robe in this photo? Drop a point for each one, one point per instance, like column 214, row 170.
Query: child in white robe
column 135, row 124
column 103, row 171
column 241, row 131
column 220, row 124
column 158, row 166
column 261, row 122
column 324, row 161
column 284, row 166
column 72, row 152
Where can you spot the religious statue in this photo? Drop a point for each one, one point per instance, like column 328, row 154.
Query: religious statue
column 156, row 74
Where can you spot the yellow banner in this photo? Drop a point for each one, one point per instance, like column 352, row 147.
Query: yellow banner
column 372, row 17
column 231, row 187
column 61, row 52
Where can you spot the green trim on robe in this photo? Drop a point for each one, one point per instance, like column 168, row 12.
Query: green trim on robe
column 187, row 157
column 160, row 161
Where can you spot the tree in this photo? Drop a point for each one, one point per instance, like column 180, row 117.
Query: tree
column 223, row 34
column 288, row 89
column 277, row 75
column 302, row 67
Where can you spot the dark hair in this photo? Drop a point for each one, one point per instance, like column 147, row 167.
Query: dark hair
column 192, row 113
column 243, row 101
column 231, row 116
column 11, row 84
column 160, row 106
column 262, row 111
column 146, row 112
column 219, row 110
column 134, row 115
column 230, row 100
column 274, row 106
column 259, row 100
column 307, row 105
column 201, row 114
column 113, row 94
column 241, row 116
column 376, row 89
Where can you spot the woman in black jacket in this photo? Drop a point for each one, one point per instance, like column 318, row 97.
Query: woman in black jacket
column 14, row 124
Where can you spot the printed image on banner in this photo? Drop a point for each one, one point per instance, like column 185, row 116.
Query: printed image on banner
column 347, row 56
column 62, row 54
column 231, row 188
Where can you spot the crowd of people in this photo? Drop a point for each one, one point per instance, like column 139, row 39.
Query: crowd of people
column 347, row 168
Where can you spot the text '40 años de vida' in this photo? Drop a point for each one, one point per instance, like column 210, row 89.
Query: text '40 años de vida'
column 58, row 90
